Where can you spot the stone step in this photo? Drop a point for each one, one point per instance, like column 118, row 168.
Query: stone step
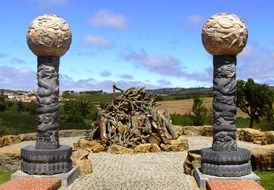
column 31, row 183
column 216, row 184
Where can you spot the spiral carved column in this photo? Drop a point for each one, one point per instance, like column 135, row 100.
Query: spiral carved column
column 224, row 36
column 49, row 38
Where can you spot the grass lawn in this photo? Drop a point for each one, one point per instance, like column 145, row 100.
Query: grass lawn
column 4, row 175
column 266, row 179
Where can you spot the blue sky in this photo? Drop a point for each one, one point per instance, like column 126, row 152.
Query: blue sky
column 152, row 43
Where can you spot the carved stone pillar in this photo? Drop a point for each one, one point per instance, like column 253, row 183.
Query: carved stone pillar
column 48, row 37
column 224, row 36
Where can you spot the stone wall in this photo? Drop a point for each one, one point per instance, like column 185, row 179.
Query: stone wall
column 244, row 134
column 13, row 139
column 255, row 136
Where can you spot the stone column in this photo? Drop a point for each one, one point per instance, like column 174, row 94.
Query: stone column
column 48, row 37
column 224, row 36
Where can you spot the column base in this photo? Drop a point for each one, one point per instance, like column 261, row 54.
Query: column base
column 202, row 178
column 46, row 161
column 66, row 178
column 226, row 163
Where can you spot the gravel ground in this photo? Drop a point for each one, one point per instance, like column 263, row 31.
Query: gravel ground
column 161, row 170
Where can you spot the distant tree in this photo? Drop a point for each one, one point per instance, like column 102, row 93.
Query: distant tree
column 76, row 110
column 199, row 110
column 254, row 99
column 3, row 103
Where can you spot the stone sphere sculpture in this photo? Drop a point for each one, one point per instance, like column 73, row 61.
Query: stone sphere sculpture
column 49, row 35
column 224, row 34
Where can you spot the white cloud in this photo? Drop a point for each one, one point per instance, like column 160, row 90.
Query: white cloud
column 105, row 18
column 17, row 78
column 98, row 41
column 256, row 62
column 126, row 76
column 164, row 82
column 161, row 64
column 67, row 83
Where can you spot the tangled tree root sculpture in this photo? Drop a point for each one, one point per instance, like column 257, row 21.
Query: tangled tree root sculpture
column 131, row 119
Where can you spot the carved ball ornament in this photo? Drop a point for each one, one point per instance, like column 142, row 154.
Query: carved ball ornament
column 49, row 35
column 224, row 34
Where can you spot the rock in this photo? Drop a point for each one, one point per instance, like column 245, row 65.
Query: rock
column 85, row 166
column 79, row 154
column 263, row 158
column 192, row 161
column 9, row 139
column 207, row 131
column 180, row 144
column 80, row 158
column 154, row 139
column 147, row 147
column 10, row 160
column 155, row 148
column 91, row 146
column 251, row 135
column 268, row 138
column 193, row 130
column 178, row 129
column 27, row 136
column 118, row 149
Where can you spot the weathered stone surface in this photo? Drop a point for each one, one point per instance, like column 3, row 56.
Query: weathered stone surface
column 192, row 161
column 251, row 135
column 79, row 154
column 91, row 146
column 224, row 34
column 27, row 136
column 268, row 137
column 85, row 166
column 207, row 131
column 9, row 139
column 178, row 129
column 263, row 158
column 10, row 161
column 147, row 147
column 49, row 35
column 154, row 139
column 180, row 144
column 193, row 130
column 118, row 149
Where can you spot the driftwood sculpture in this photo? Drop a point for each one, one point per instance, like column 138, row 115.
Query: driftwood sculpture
column 131, row 119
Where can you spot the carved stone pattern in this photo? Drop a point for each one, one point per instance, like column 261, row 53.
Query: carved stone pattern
column 226, row 170
column 226, row 158
column 224, row 107
column 49, row 35
column 224, row 34
column 46, row 161
column 33, row 168
column 47, row 97
column 61, row 154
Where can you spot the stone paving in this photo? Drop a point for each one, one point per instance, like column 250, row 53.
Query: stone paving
column 136, row 171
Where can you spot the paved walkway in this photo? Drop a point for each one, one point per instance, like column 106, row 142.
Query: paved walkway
column 153, row 171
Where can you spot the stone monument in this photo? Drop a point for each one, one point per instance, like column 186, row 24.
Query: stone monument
column 48, row 37
column 224, row 36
